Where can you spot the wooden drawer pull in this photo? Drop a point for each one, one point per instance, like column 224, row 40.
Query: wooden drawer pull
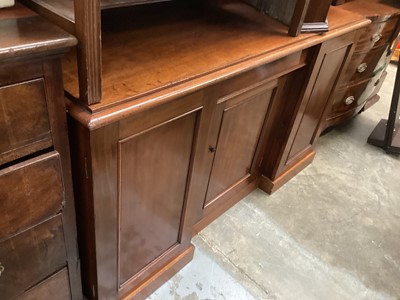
column 362, row 67
column 349, row 100
column 376, row 37
column 1, row 269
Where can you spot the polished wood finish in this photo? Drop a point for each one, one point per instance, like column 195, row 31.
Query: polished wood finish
column 201, row 94
column 240, row 119
column 193, row 97
column 290, row 152
column 20, row 26
column 127, row 200
column 88, row 32
column 56, row 287
column 229, row 21
column 21, row 138
column 361, row 79
column 270, row 186
column 31, row 256
column 20, row 187
column 298, row 17
column 148, row 212
column 38, row 234
column 165, row 273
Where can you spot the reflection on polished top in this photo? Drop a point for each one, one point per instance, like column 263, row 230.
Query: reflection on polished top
column 22, row 32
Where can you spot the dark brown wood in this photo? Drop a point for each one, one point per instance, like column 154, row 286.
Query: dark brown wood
column 362, row 78
column 23, row 101
column 31, row 256
column 56, row 287
column 37, row 185
column 22, row 185
column 83, row 191
column 142, row 158
column 162, row 276
column 211, row 215
column 317, row 11
column 298, row 17
column 270, row 186
column 116, row 151
column 240, row 118
column 87, row 30
column 33, row 34
column 149, row 212
column 241, row 39
column 338, row 2
column 291, row 149
column 57, row 115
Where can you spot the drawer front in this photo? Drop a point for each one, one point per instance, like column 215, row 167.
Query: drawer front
column 376, row 35
column 24, row 122
column 31, row 256
column 57, row 286
column 30, row 192
column 352, row 96
column 364, row 64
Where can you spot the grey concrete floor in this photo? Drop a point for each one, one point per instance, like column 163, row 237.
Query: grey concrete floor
column 333, row 232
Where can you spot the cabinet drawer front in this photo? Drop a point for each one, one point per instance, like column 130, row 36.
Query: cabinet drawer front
column 376, row 35
column 365, row 64
column 351, row 96
column 57, row 286
column 24, row 122
column 30, row 192
column 31, row 256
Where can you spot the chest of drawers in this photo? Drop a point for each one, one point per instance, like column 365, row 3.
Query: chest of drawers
column 38, row 250
column 362, row 78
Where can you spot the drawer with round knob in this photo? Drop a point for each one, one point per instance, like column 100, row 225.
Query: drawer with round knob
column 376, row 35
column 351, row 96
column 364, row 64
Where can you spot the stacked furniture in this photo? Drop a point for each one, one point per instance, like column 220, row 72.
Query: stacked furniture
column 359, row 86
column 38, row 243
column 179, row 109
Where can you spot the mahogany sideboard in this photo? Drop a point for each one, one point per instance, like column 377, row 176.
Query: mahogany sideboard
column 38, row 242
column 199, row 103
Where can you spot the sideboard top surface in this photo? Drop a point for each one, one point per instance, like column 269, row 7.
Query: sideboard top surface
column 22, row 32
column 374, row 8
column 160, row 48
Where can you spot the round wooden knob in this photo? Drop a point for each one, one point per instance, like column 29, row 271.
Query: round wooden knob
column 1, row 269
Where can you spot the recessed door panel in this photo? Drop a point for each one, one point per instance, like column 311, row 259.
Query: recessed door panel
column 238, row 139
column 154, row 168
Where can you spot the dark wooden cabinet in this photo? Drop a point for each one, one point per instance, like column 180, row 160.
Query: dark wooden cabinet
column 241, row 118
column 38, row 247
column 175, row 116
column 139, row 169
column 289, row 153
column 233, row 147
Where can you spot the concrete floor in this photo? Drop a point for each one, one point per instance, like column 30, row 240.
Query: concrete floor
column 333, row 232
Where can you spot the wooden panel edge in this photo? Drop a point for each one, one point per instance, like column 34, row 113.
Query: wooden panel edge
column 160, row 277
column 270, row 186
